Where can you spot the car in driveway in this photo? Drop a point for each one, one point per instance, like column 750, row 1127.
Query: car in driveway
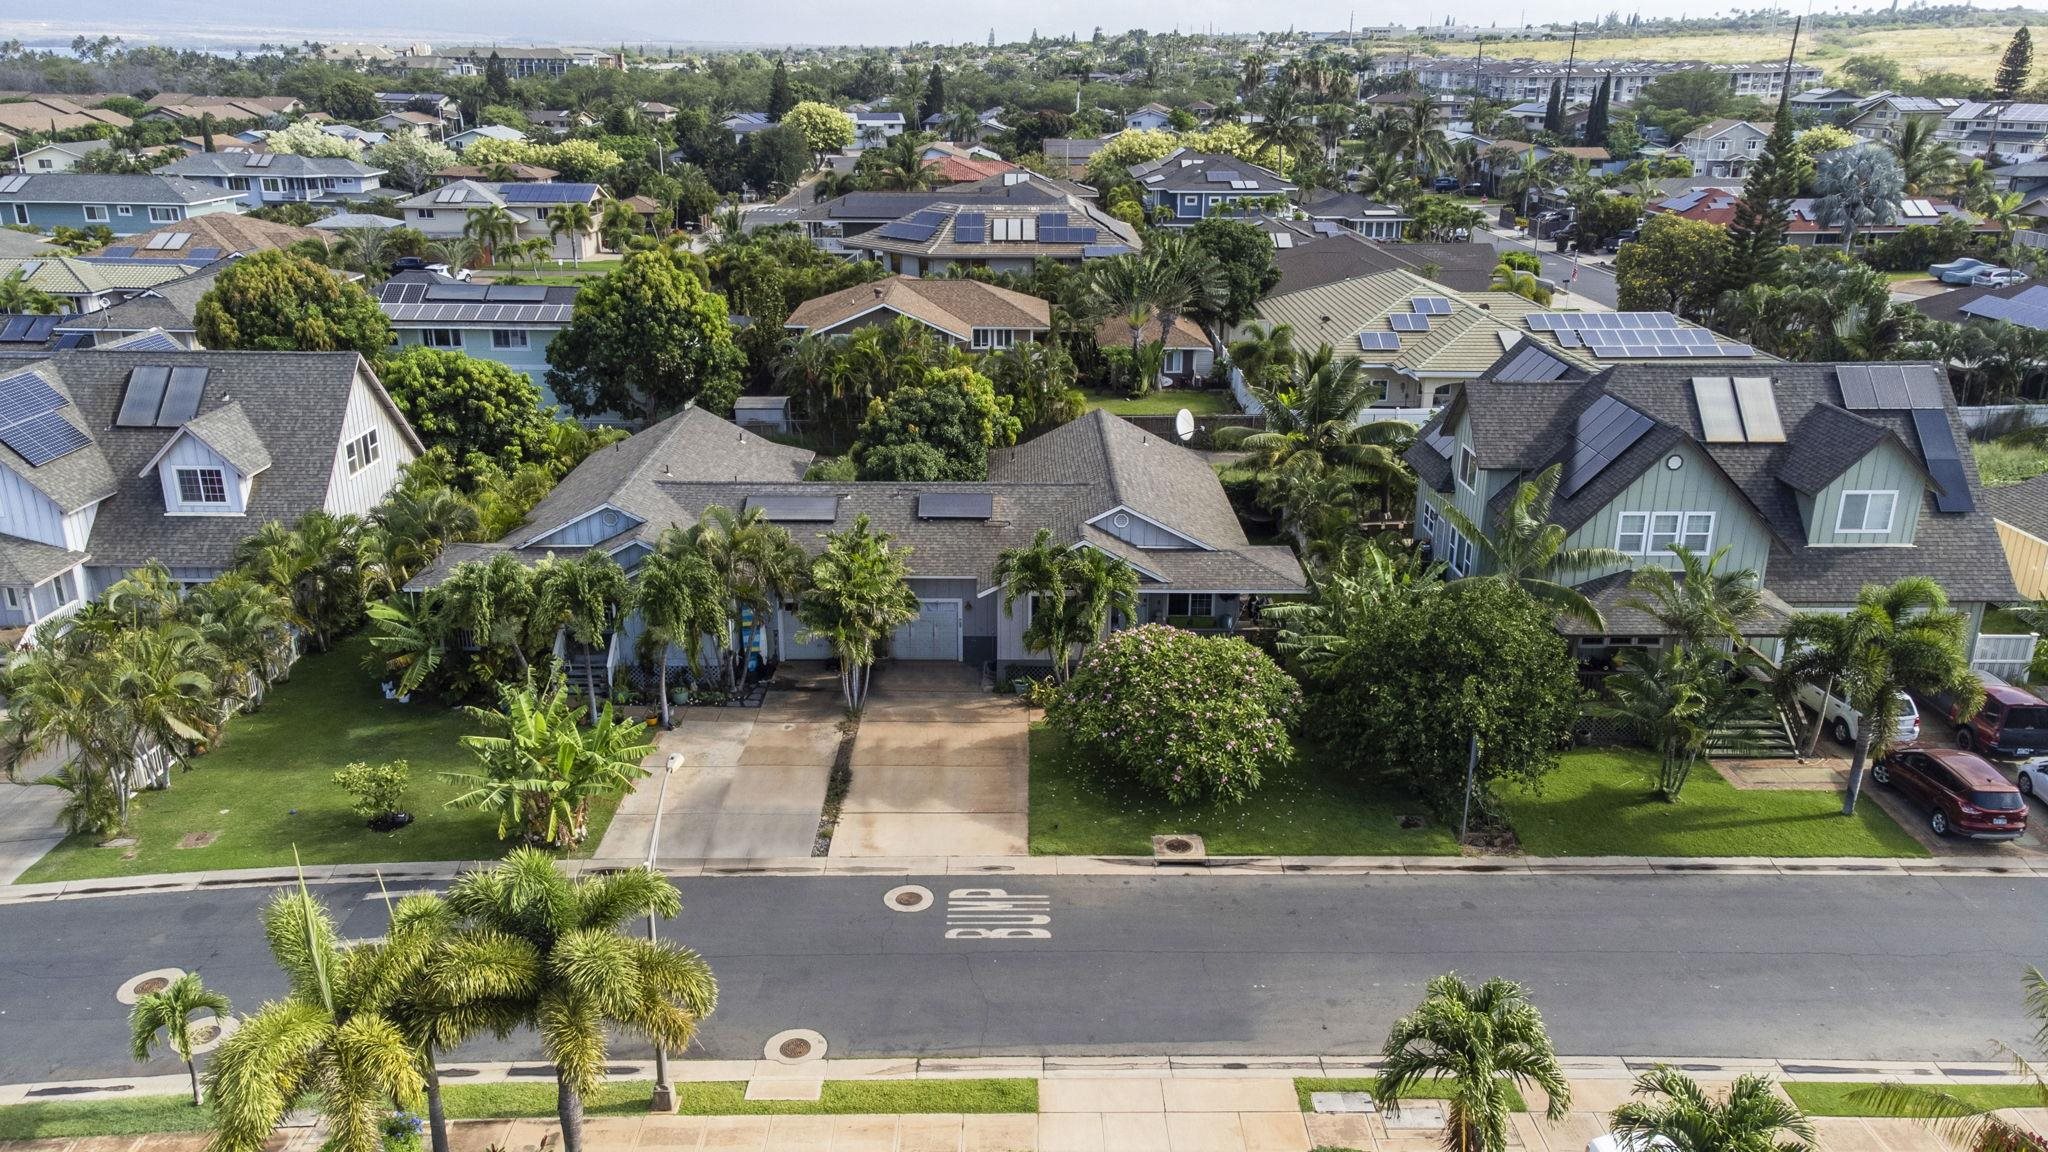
column 2033, row 776
column 1843, row 722
column 1997, row 278
column 1959, row 271
column 2012, row 723
column 1962, row 793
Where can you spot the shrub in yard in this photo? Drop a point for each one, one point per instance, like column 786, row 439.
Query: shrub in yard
column 1193, row 717
column 377, row 792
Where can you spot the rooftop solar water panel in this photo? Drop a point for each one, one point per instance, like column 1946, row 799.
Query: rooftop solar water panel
column 203, row 254
column 516, row 293
column 956, row 505
column 181, row 398
column 1532, row 366
column 1430, row 306
column 145, row 395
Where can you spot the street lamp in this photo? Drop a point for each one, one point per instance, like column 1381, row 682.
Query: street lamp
column 664, row 1099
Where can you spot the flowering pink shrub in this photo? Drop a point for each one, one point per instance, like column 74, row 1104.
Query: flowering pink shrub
column 1193, row 717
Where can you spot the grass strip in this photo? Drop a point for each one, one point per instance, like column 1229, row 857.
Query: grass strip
column 1436, row 1089
column 1819, row 1099
column 137, row 1116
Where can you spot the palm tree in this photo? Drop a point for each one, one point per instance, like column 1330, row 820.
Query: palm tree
column 1281, row 126
column 618, row 225
column 491, row 227
column 900, row 165
column 1899, row 638
column 1529, row 174
column 574, row 220
column 1528, row 550
column 1703, row 604
column 1187, row 281
column 365, row 250
column 1925, row 161
column 1963, row 1121
column 541, row 774
column 411, row 528
column 680, row 601
column 1264, row 354
column 584, row 597
column 1070, row 594
column 16, row 295
column 249, row 625
column 1129, row 287
column 583, row 978
column 170, row 1012
column 471, row 982
column 327, row 1038
column 1752, row 1118
column 1318, row 412
column 1482, row 1040
column 317, row 563
column 1520, row 282
column 1855, row 188
column 859, row 593
column 1676, row 700
column 757, row 563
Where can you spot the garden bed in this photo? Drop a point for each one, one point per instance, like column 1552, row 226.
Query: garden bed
column 268, row 788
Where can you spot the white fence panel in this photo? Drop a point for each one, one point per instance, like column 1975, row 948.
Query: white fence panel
column 2007, row 657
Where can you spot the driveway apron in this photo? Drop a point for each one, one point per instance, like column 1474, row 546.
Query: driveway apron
column 940, row 768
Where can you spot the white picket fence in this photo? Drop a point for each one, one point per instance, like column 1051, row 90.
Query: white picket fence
column 2005, row 656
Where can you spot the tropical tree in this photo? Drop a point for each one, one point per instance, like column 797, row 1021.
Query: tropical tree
column 1483, row 1041
column 581, row 978
column 17, row 295
column 1317, row 412
column 574, row 220
column 1899, row 638
column 1069, row 594
column 169, row 1011
column 859, row 593
column 585, row 597
column 491, row 227
column 1130, row 288
column 900, row 166
column 327, row 1038
column 249, row 627
column 318, row 563
column 1527, row 285
column 1925, row 162
column 681, row 600
column 756, row 562
column 1855, row 188
column 411, row 527
column 1752, row 1118
column 1265, row 354
column 1702, row 603
column 1676, row 700
column 1186, row 280
column 539, row 770
column 617, row 226
column 1528, row 550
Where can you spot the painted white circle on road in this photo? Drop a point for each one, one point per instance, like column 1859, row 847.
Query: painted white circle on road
column 908, row 898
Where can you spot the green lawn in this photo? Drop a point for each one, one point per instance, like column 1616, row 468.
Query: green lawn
column 1201, row 402
column 1308, row 812
column 1601, row 802
column 1833, row 1099
column 267, row 789
column 1307, row 1086
column 2002, row 462
column 66, row 1119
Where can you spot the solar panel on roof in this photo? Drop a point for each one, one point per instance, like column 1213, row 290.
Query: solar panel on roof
column 971, row 227
column 41, row 439
column 1944, row 460
column 956, row 505
column 1570, row 339
column 1532, row 366
column 25, row 395
column 1378, row 342
column 556, row 193
column 72, row 339
column 1720, row 423
column 145, row 395
column 1430, row 305
column 14, row 329
column 181, row 398
column 1408, row 322
column 795, row 509
column 1220, row 176
column 12, row 183
column 1889, row 387
column 455, row 291
column 1606, row 429
column 203, row 254
column 120, row 252
column 149, row 342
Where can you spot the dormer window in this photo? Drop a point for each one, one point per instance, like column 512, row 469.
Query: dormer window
column 202, row 486
column 1866, row 513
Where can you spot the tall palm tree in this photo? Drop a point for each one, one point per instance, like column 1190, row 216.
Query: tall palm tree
column 491, row 227
column 1528, row 550
column 1129, row 287
column 1483, row 1040
column 1264, row 353
column 1318, row 411
column 162, row 681
column 858, row 593
column 900, row 165
column 584, row 597
column 1282, row 131
column 471, row 982
column 583, row 977
column 1963, row 1121
column 1528, row 174
column 1676, row 700
column 680, row 601
column 575, row 221
column 328, row 1037
column 410, row 529
column 1188, row 282
column 1926, row 162
column 1702, row 603
column 170, row 1012
column 617, row 225
column 757, row 562
column 1752, row 1118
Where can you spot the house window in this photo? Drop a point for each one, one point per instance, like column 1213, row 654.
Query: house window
column 1868, row 513
column 441, row 337
column 994, row 337
column 273, row 184
column 508, row 338
column 96, row 213
column 426, row 213
column 1429, row 518
column 13, row 598
column 1656, row 533
column 21, row 214
column 40, row 163
column 202, row 486
column 362, row 452
column 1190, row 604
column 125, row 210
column 1459, row 554
column 238, row 183
column 163, row 215
column 1468, row 468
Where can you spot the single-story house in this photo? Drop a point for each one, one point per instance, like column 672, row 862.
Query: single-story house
column 203, row 239
column 1150, row 117
column 966, row 313
column 463, row 139
column 279, row 178
column 1099, row 482
column 53, row 114
column 124, row 204
column 1189, row 354
column 445, row 211
column 62, row 156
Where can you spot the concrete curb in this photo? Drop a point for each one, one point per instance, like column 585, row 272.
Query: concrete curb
column 399, row 876
column 1094, row 1068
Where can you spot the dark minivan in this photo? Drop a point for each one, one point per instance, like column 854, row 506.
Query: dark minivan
column 2012, row 723
column 1963, row 793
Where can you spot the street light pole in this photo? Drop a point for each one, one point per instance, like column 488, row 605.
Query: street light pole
column 664, row 1099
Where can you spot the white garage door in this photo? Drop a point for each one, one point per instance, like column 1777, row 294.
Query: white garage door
column 934, row 635
column 796, row 648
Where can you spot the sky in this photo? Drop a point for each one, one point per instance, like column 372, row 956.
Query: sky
column 597, row 22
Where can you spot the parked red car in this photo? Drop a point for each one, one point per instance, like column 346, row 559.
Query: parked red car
column 2013, row 721
column 1962, row 792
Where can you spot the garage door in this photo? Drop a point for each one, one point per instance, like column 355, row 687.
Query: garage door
column 796, row 648
column 934, row 635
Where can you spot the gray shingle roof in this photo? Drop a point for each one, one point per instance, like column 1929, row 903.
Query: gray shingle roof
column 1462, row 267
column 171, row 306
column 279, row 164
column 30, row 562
column 229, row 433
column 1827, row 443
column 1186, row 169
column 96, row 188
column 1148, row 474
column 2024, row 506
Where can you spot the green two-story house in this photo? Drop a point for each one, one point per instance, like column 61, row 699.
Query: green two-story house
column 1821, row 478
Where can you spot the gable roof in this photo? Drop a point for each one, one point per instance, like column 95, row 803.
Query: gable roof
column 1136, row 469
column 219, row 234
column 1463, row 343
column 170, row 307
column 955, row 307
column 1346, row 255
column 1074, row 228
column 220, row 164
column 1114, row 333
column 2024, row 505
column 1185, row 169
column 81, row 276
column 107, row 188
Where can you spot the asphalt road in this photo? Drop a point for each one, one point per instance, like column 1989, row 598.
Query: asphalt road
column 1595, row 282
column 1829, row 967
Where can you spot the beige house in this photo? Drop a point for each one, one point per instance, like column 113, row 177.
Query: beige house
column 968, row 313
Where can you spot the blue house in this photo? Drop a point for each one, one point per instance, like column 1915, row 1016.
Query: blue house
column 279, row 177
column 512, row 324
column 1185, row 187
column 126, row 204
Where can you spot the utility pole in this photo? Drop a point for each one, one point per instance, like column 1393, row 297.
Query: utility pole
column 1571, row 57
column 664, row 1095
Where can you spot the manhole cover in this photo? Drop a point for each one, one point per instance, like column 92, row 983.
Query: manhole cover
column 206, row 1034
column 1177, row 844
column 144, row 983
column 907, row 898
column 1180, row 846
column 152, row 985
column 795, row 1048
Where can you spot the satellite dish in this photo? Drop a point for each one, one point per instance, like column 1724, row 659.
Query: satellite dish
column 1184, row 425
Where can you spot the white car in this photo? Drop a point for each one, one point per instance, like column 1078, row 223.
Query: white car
column 1611, row 1142
column 2033, row 777
column 1842, row 721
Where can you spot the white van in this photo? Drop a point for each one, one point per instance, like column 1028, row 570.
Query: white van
column 1843, row 722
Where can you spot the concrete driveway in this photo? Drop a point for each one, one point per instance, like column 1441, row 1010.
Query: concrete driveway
column 940, row 768
column 752, row 784
column 28, row 818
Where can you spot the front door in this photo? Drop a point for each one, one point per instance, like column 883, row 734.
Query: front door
column 934, row 635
